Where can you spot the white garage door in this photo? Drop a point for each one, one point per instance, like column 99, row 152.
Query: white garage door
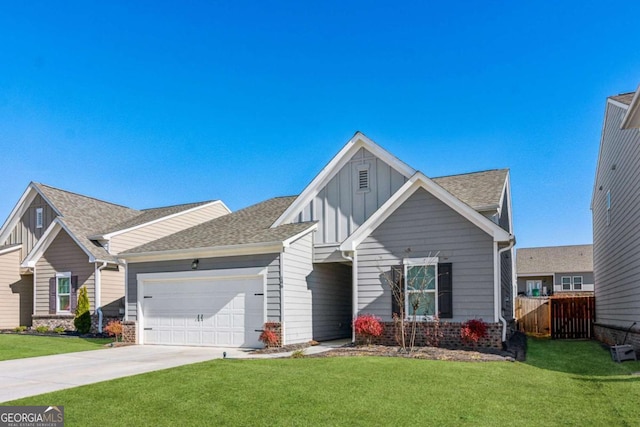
column 203, row 311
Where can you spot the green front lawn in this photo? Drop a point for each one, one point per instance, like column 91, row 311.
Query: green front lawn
column 13, row 346
column 563, row 383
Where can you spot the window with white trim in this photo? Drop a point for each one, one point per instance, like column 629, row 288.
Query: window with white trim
column 63, row 292
column 571, row 283
column 421, row 287
column 39, row 218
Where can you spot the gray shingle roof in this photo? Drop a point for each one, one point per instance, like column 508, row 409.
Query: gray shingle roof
column 480, row 190
column 554, row 259
column 246, row 226
column 83, row 216
column 625, row 98
column 148, row 215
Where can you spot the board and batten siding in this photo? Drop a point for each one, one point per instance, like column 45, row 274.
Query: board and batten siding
column 616, row 248
column 340, row 207
column 423, row 226
column 63, row 255
column 271, row 261
column 25, row 231
column 297, row 265
column 148, row 233
column 112, row 291
column 16, row 292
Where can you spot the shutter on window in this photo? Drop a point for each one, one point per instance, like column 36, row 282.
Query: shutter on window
column 397, row 282
column 52, row 295
column 445, row 290
column 73, row 298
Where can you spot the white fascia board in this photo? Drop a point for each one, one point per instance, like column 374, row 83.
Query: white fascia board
column 292, row 239
column 419, row 180
column 108, row 236
column 618, row 103
column 534, row 274
column 10, row 249
column 604, row 123
column 214, row 252
column 42, row 245
column 631, row 119
column 359, row 140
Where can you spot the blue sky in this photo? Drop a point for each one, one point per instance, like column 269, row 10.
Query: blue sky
column 156, row 103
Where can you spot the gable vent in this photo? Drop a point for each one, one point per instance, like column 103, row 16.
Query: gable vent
column 363, row 179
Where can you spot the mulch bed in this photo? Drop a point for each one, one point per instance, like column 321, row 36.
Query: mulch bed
column 430, row 353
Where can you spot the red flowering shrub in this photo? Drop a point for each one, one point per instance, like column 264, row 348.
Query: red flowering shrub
column 473, row 331
column 114, row 329
column 368, row 326
column 268, row 337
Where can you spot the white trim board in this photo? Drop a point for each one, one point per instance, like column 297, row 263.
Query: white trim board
column 417, row 181
column 631, row 118
column 359, row 140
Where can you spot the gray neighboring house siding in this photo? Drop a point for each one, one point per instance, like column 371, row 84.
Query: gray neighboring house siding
column 436, row 230
column 271, row 261
column 616, row 246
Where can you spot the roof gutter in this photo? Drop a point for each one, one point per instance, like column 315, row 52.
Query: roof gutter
column 210, row 252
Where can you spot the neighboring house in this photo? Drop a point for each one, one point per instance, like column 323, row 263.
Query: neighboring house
column 555, row 270
column 55, row 242
column 309, row 264
column 615, row 207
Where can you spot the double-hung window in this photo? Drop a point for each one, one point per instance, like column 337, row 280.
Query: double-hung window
column 421, row 287
column 63, row 292
column 571, row 283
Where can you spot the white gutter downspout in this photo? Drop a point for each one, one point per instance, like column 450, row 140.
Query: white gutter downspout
column 512, row 243
column 354, row 289
column 98, row 289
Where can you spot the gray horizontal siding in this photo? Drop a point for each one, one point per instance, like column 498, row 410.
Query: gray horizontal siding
column 330, row 286
column 616, row 248
column 297, row 266
column 424, row 226
column 271, row 261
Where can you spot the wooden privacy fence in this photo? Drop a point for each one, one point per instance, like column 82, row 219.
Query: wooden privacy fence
column 533, row 315
column 561, row 317
column 572, row 317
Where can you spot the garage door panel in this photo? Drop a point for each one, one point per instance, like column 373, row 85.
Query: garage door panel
column 220, row 312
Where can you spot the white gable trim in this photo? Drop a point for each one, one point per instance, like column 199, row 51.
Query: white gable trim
column 618, row 104
column 20, row 208
column 416, row 182
column 108, row 236
column 358, row 141
column 632, row 117
column 292, row 239
column 47, row 239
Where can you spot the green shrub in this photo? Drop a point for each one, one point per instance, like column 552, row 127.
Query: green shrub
column 42, row 329
column 82, row 321
column 58, row 330
column 20, row 328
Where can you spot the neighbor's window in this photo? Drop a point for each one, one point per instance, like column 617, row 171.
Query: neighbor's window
column 421, row 287
column 577, row 283
column 63, row 292
column 39, row 220
column 566, row 283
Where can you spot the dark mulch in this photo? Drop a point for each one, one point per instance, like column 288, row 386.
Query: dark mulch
column 283, row 349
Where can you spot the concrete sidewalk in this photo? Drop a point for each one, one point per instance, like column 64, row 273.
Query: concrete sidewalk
column 37, row 375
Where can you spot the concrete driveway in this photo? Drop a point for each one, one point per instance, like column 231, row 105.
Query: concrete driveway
column 29, row 377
